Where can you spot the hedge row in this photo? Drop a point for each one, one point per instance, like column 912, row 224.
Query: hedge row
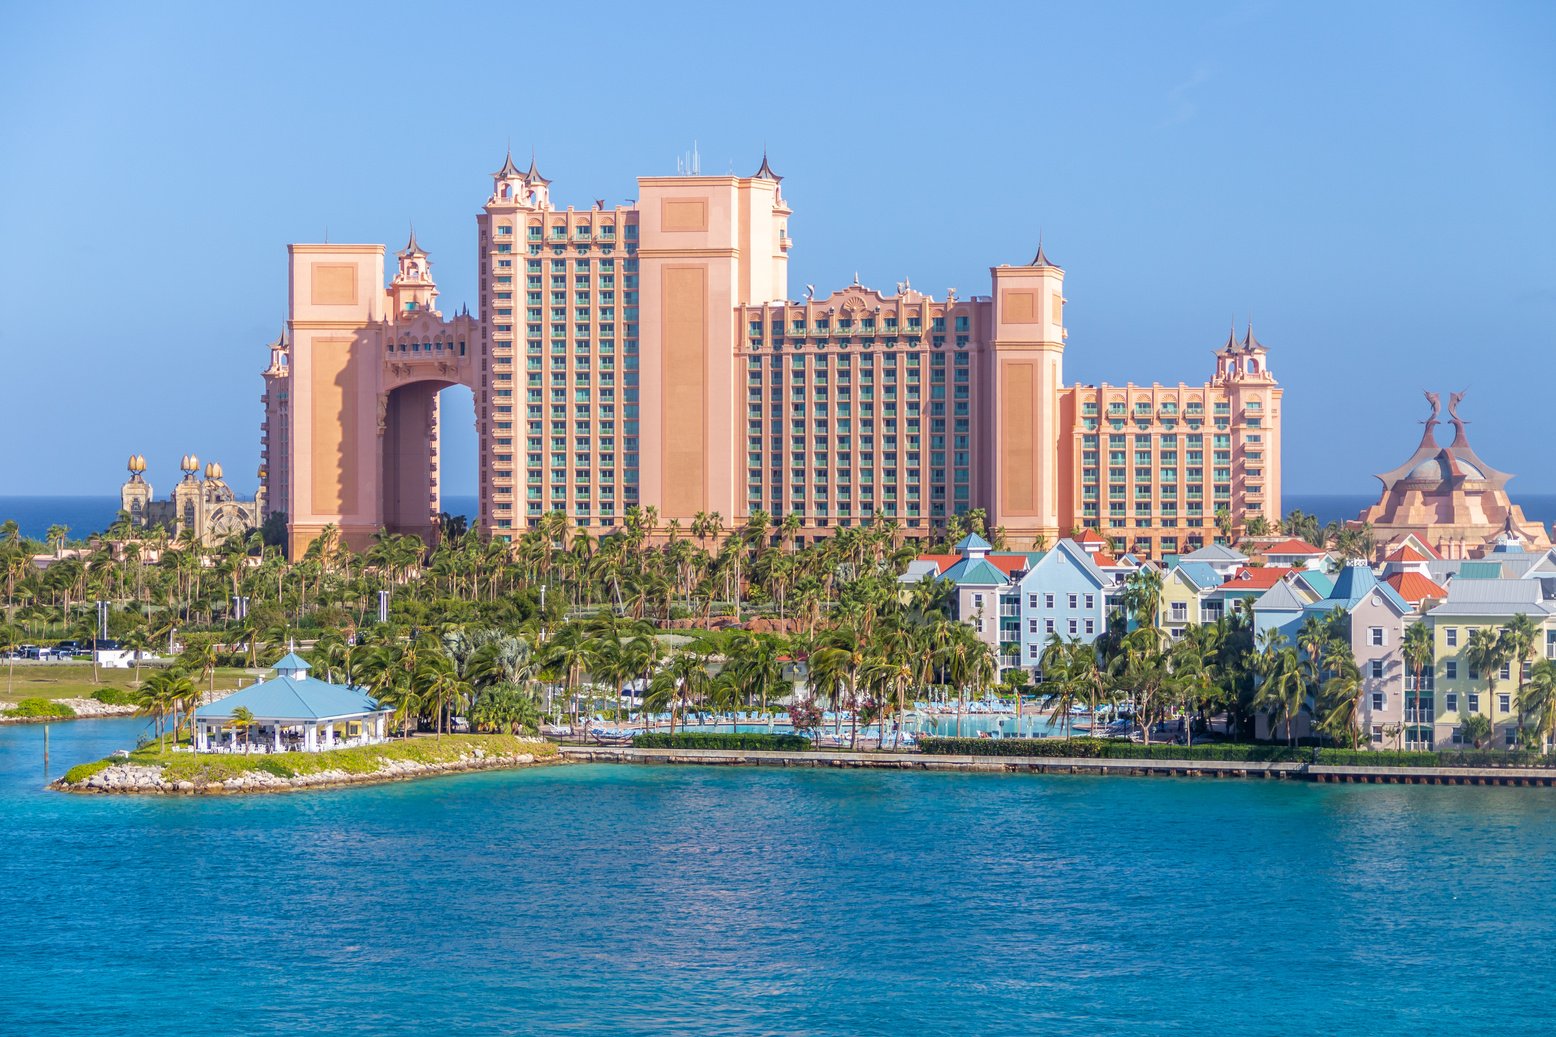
column 1120, row 749
column 1445, row 758
column 757, row 740
column 1111, row 749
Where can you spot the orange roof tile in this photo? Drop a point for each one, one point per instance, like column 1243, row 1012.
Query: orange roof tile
column 1090, row 536
column 1414, row 587
column 1007, row 564
column 1406, row 553
column 943, row 561
column 1293, row 546
column 1103, row 560
column 1261, row 579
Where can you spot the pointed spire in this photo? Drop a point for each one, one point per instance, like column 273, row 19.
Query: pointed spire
column 1249, row 342
column 1041, row 259
column 411, row 248
column 533, row 176
column 1231, row 339
column 766, row 172
column 508, row 170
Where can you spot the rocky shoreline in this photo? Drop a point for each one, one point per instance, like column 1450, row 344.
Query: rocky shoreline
column 85, row 709
column 143, row 779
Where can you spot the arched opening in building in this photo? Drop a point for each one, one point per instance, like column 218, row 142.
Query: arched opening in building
column 428, row 439
column 457, row 453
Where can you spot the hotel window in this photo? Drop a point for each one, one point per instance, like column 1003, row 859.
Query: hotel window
column 1377, row 671
column 1451, row 702
column 1451, row 670
column 1451, row 636
column 1504, row 703
column 1375, row 636
column 1377, row 701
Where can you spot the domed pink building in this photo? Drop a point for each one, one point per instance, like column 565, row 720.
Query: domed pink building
column 1448, row 498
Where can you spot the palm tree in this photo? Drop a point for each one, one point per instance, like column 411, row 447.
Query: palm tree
column 1282, row 691
column 1420, row 655
column 1143, row 596
column 244, row 722
column 1487, row 651
column 1520, row 635
column 838, row 664
column 1537, row 700
column 160, row 696
column 1062, row 690
column 136, row 640
column 1339, row 702
column 1140, row 671
column 570, row 653
column 10, row 644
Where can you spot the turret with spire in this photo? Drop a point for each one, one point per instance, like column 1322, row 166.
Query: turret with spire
column 413, row 290
column 508, row 189
column 1242, row 360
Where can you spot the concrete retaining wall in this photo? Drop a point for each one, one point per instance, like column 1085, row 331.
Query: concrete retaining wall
column 1066, row 765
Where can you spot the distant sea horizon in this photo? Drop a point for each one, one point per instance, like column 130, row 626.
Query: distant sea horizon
column 85, row 515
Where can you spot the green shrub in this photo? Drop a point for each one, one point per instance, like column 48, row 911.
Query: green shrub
column 114, row 697
column 83, row 771
column 1111, row 749
column 41, row 708
column 751, row 740
column 1444, row 758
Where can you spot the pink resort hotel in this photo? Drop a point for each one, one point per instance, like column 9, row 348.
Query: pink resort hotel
column 650, row 355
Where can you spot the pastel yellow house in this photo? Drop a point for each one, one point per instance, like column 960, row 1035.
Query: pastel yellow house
column 1183, row 595
column 1460, row 689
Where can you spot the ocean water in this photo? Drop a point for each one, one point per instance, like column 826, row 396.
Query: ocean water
column 93, row 514
column 85, row 515
column 705, row 901
column 1331, row 507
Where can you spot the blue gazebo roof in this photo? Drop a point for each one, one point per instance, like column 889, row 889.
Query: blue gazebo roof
column 292, row 664
column 294, row 698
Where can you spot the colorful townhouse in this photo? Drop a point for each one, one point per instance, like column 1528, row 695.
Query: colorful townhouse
column 1460, row 688
column 1184, row 589
column 1065, row 594
column 1376, row 618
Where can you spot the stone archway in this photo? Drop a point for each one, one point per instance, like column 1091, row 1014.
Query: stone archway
column 410, row 458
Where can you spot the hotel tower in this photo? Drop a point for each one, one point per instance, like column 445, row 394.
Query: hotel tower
column 649, row 355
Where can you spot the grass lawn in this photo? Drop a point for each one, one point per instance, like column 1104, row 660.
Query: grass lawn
column 73, row 680
column 203, row 767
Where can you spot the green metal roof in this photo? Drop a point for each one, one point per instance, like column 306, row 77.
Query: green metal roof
column 975, row 571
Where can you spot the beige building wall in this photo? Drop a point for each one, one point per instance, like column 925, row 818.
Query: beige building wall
column 1026, row 362
column 336, row 292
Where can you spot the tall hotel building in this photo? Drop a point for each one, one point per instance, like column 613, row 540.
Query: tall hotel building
column 650, row 355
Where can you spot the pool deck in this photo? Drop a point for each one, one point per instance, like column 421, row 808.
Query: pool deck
column 1067, row 765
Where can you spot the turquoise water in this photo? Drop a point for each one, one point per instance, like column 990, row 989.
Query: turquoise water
column 643, row 900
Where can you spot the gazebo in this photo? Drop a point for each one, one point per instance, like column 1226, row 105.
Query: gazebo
column 292, row 712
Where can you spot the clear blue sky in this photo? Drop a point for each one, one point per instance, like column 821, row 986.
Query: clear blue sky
column 1373, row 183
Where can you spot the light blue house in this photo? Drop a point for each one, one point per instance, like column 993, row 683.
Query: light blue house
column 1064, row 593
column 1281, row 609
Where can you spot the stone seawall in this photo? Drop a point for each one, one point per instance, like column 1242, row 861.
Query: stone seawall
column 1529, row 776
column 134, row 778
